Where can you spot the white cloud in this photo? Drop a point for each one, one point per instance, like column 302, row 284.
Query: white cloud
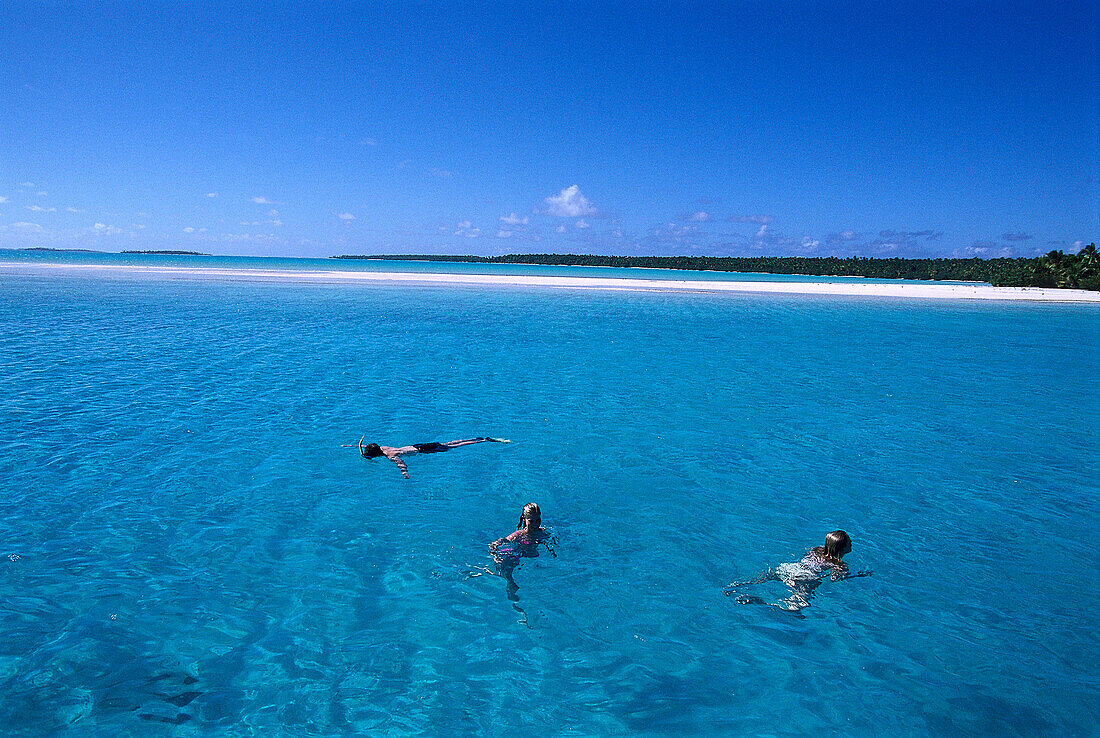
column 40, row 209
column 443, row 173
column 560, row 229
column 211, row 194
column 24, row 228
column 504, row 234
column 3, row 199
column 762, row 219
column 467, row 229
column 73, row 210
column 700, row 217
column 188, row 229
column 106, row 230
column 513, row 219
column 987, row 250
column 583, row 224
column 263, row 201
column 674, row 230
column 570, row 203
column 343, row 216
column 42, row 194
column 277, row 223
column 369, row 142
column 763, row 230
column 28, row 185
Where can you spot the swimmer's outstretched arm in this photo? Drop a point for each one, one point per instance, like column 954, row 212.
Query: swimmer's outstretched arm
column 354, row 445
column 837, row 576
column 400, row 464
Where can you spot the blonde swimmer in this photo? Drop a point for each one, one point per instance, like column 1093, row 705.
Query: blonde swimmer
column 802, row 577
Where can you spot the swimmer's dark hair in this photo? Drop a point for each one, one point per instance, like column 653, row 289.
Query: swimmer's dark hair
column 532, row 513
column 837, row 544
column 370, row 451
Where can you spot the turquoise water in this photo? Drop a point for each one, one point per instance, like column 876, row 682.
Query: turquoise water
column 188, row 551
column 436, row 267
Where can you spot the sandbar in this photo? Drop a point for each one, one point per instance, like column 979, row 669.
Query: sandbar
column 919, row 290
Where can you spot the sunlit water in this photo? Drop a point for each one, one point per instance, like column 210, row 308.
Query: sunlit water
column 187, row 550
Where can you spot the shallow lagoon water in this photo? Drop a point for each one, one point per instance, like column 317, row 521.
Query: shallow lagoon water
column 187, row 550
column 305, row 264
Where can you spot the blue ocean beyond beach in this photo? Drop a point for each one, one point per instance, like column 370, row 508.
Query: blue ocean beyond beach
column 185, row 542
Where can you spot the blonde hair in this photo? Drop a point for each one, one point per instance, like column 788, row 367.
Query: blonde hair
column 532, row 514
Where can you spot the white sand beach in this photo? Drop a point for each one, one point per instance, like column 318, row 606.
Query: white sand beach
column 852, row 289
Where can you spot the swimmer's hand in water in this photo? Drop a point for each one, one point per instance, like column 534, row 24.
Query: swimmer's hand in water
column 497, row 440
column 846, row 575
column 750, row 600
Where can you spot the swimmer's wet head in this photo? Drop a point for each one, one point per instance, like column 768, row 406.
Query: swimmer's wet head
column 370, row 451
column 531, row 517
column 837, row 544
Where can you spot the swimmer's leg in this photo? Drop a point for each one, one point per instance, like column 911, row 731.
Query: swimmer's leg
column 464, row 442
column 511, row 587
column 800, row 596
column 469, row 441
column 505, row 566
column 767, row 575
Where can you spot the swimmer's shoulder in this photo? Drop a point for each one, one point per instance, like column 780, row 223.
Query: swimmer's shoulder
column 818, row 556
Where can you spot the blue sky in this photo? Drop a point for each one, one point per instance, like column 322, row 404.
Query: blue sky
column 757, row 128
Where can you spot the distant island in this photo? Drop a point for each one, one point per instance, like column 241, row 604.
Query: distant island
column 169, row 253
column 1055, row 269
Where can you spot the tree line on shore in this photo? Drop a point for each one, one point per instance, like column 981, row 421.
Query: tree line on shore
column 1055, row 269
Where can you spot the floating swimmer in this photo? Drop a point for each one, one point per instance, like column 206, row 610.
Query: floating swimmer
column 373, row 450
column 804, row 576
column 509, row 551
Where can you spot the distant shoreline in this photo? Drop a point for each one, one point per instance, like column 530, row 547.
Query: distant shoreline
column 1053, row 270
column 847, row 289
column 168, row 252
